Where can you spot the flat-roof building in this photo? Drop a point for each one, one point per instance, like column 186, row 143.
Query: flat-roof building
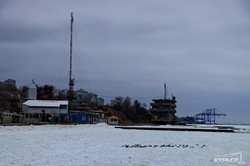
column 45, row 106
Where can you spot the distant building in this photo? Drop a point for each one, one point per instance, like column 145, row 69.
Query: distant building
column 100, row 101
column 61, row 94
column 10, row 82
column 93, row 97
column 82, row 96
column 163, row 111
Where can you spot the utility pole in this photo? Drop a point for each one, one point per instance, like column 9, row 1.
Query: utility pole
column 71, row 81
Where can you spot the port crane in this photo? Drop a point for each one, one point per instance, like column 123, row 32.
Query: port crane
column 209, row 115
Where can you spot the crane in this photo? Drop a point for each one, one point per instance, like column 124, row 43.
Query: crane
column 209, row 115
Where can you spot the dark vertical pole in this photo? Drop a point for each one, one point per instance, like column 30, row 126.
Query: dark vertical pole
column 71, row 36
column 165, row 92
column 71, row 81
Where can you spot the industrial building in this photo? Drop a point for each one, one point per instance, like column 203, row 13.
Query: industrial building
column 163, row 111
column 45, row 106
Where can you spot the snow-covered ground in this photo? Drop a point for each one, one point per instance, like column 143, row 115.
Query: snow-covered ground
column 101, row 145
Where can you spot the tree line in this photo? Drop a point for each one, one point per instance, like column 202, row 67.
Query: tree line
column 134, row 110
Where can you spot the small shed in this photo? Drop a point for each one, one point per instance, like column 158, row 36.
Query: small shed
column 113, row 120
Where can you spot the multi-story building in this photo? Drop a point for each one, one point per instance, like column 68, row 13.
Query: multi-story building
column 163, row 111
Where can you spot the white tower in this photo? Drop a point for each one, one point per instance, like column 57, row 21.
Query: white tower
column 32, row 91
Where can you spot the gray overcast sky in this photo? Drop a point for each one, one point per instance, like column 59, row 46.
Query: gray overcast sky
column 132, row 47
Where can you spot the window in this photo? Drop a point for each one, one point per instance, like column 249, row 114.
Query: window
column 113, row 120
column 63, row 106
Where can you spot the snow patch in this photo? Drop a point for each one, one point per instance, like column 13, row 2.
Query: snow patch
column 101, row 144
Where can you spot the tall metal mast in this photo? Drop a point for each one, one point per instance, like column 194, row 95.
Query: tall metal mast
column 165, row 91
column 71, row 81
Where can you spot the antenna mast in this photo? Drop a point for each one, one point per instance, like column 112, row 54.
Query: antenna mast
column 71, row 81
column 165, row 92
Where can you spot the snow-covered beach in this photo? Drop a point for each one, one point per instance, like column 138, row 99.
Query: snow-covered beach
column 80, row 145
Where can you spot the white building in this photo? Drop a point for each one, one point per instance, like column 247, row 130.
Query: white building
column 113, row 120
column 45, row 107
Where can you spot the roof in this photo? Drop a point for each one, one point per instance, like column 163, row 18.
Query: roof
column 45, row 103
column 113, row 117
column 32, row 86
